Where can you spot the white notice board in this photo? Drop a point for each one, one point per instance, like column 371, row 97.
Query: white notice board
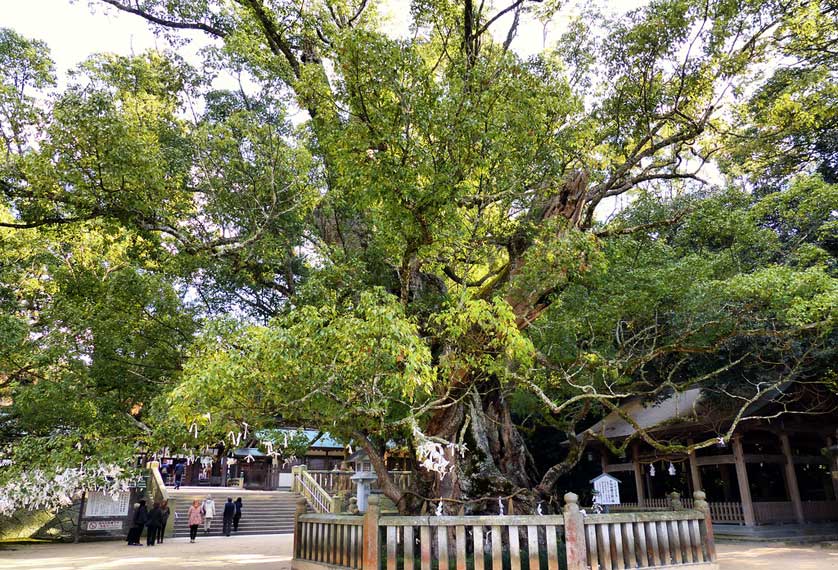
column 103, row 505
column 606, row 489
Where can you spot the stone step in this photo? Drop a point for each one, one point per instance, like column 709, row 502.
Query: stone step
column 263, row 513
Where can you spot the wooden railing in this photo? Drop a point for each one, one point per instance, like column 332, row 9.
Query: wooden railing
column 644, row 540
column 337, row 481
column 334, row 540
column 315, row 495
column 720, row 512
column 727, row 512
column 533, row 542
column 820, row 510
column 486, row 540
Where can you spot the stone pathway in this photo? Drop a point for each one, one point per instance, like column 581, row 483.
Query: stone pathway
column 266, row 552
column 273, row 552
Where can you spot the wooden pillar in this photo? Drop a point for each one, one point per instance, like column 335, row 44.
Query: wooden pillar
column 695, row 474
column 371, row 534
column 301, row 509
column 223, row 471
column 603, row 459
column 574, row 529
column 742, row 479
column 833, row 468
column 639, row 476
column 791, row 479
column 724, row 471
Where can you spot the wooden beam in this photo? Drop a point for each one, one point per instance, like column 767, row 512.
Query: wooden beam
column 715, row 460
column 791, row 479
column 615, row 467
column 742, row 480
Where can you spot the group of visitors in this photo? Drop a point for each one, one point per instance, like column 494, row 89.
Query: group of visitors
column 154, row 520
column 200, row 514
column 204, row 514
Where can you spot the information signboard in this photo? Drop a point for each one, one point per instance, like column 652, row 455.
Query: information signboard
column 103, row 505
column 606, row 490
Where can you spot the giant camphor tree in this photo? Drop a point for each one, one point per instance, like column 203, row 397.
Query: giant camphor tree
column 407, row 240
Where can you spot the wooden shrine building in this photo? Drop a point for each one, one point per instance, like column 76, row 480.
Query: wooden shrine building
column 777, row 467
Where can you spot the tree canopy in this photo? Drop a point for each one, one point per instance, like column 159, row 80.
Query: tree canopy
column 424, row 240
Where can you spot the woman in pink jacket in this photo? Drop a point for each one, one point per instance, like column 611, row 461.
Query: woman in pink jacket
column 196, row 518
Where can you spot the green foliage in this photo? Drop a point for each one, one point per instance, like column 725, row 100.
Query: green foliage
column 427, row 231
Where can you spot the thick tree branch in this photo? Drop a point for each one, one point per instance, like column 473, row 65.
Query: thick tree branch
column 124, row 7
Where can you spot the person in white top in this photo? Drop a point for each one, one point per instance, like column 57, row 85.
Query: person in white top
column 209, row 513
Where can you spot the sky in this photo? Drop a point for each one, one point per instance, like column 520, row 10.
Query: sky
column 76, row 29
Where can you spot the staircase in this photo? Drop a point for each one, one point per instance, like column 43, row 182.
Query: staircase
column 263, row 512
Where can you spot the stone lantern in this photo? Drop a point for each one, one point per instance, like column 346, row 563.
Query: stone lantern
column 363, row 479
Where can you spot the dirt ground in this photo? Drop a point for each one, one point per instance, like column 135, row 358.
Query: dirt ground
column 271, row 552
column 274, row 553
column 747, row 556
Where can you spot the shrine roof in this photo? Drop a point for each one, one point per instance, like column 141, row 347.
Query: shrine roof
column 679, row 407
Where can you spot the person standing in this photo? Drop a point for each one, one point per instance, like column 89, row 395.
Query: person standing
column 237, row 517
column 164, row 519
column 179, row 468
column 209, row 513
column 229, row 513
column 194, row 518
column 137, row 524
column 155, row 517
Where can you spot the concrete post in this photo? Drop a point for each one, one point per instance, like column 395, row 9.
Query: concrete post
column 335, row 504
column 742, row 479
column 574, row 528
column 371, row 536
column 302, row 507
column 791, row 479
column 707, row 530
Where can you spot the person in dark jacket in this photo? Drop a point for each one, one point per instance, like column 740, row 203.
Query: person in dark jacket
column 137, row 523
column 179, row 468
column 229, row 513
column 155, row 518
column 237, row 517
column 164, row 519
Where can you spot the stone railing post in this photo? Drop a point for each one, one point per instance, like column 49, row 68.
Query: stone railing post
column 372, row 548
column 675, row 501
column 707, row 533
column 335, row 504
column 295, row 473
column 302, row 507
column 574, row 528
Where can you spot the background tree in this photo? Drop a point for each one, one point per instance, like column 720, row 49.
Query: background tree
column 428, row 246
